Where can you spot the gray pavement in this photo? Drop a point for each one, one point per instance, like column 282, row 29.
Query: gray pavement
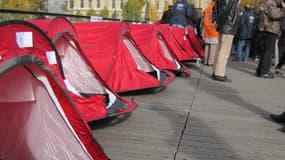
column 196, row 118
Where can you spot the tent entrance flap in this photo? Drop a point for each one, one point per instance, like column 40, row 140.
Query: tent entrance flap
column 36, row 129
column 75, row 67
column 142, row 63
column 167, row 53
column 16, row 90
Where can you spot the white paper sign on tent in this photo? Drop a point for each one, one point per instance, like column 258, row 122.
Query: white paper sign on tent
column 95, row 19
column 51, row 57
column 24, row 39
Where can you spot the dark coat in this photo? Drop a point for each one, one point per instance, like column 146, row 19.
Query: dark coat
column 165, row 17
column 246, row 25
column 225, row 14
column 181, row 11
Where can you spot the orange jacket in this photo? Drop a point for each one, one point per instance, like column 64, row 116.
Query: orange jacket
column 209, row 29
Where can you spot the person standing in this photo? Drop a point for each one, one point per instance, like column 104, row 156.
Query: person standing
column 211, row 36
column 166, row 16
column 269, row 25
column 281, row 48
column 245, row 32
column 181, row 12
column 225, row 15
column 256, row 38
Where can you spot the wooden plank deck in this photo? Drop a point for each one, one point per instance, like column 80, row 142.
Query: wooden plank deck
column 196, row 118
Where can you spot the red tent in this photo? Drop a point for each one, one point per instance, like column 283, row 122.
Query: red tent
column 115, row 56
column 38, row 120
column 151, row 41
column 80, row 76
column 195, row 42
column 27, row 38
column 179, row 43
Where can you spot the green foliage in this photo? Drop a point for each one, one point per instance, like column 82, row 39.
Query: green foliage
column 36, row 5
column 114, row 14
column 104, row 12
column 29, row 5
column 91, row 12
column 132, row 9
column 77, row 13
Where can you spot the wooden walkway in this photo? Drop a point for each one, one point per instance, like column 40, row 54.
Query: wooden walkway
column 196, row 118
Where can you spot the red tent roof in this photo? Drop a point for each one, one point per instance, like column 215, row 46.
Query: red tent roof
column 112, row 51
column 151, row 41
column 178, row 42
column 53, row 27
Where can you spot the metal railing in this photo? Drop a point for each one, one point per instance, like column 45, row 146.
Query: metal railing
column 40, row 13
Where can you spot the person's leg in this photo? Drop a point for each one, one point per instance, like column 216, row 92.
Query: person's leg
column 261, row 48
column 240, row 46
column 207, row 50
column 223, row 54
column 275, row 56
column 281, row 49
column 258, row 46
column 212, row 54
column 247, row 49
column 281, row 60
column 270, row 42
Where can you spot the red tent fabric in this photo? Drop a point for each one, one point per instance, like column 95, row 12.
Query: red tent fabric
column 39, row 120
column 195, row 42
column 87, row 87
column 151, row 41
column 112, row 51
column 53, row 27
column 179, row 43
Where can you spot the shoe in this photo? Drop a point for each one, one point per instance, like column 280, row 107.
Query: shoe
column 267, row 75
column 279, row 118
column 221, row 78
column 279, row 73
column 277, row 70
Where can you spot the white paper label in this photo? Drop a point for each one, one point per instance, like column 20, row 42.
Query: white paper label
column 51, row 57
column 24, row 39
column 95, row 19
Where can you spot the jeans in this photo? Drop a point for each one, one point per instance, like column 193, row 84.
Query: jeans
column 243, row 49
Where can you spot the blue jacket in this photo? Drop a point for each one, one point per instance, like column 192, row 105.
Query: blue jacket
column 246, row 25
column 181, row 11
